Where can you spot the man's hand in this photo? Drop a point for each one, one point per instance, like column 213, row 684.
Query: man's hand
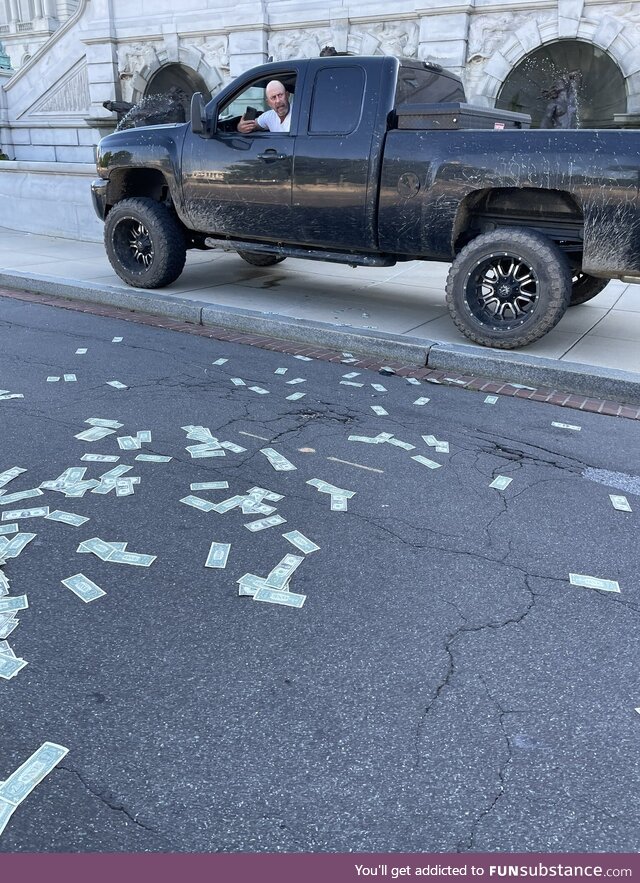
column 247, row 126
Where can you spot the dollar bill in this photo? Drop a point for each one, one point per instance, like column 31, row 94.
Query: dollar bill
column 263, row 523
column 249, row 584
column 282, row 572
column 295, row 396
column 273, row 596
column 325, row 488
column 296, row 380
column 237, row 381
column 120, row 547
column 351, row 383
column 124, row 487
column 20, row 495
column 516, row 385
column 100, row 421
column 233, row 447
column 491, row 400
column 379, row 410
column 134, row 558
column 338, row 503
column 442, row 447
column 4, row 584
column 379, row 387
column 7, row 625
column 9, row 474
column 279, row 463
column 96, row 433
column 426, row 462
column 153, row 458
column 12, row 395
column 116, row 340
column 116, row 384
column 459, row 382
column 255, row 507
column 413, row 380
column 501, row 482
column 281, row 371
column 351, row 375
column 565, row 425
column 52, row 379
column 592, row 582
column 80, row 489
column 9, row 668
column 303, row 358
column 365, row 439
column 17, row 544
column 227, row 505
column 8, row 528
column 37, row 512
column 116, row 472
column 431, row 440
column 144, row 436
column 81, row 351
column 401, row 444
column 620, row 503
column 259, row 390
column 128, row 443
column 69, row 378
column 83, row 587
column 423, row 400
column 22, row 782
column 67, row 517
column 198, row 503
column 300, row 541
column 218, row 554
column 220, row 362
column 15, row 602
column 200, row 452
column 100, row 458
column 209, row 486
column 6, row 650
column 98, row 547
column 264, row 494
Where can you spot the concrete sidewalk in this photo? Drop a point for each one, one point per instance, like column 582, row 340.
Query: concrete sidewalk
column 403, row 304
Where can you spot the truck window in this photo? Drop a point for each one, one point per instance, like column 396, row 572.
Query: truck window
column 336, row 104
column 418, row 86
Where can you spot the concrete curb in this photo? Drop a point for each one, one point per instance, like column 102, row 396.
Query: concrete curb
column 587, row 380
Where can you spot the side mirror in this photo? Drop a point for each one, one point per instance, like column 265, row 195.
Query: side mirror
column 198, row 114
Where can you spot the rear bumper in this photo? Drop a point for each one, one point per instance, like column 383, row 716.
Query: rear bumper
column 99, row 197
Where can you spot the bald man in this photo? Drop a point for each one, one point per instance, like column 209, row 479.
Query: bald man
column 277, row 119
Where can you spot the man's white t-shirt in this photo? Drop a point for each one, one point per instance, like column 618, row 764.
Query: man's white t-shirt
column 271, row 121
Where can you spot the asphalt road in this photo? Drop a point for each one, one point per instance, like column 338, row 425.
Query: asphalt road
column 443, row 688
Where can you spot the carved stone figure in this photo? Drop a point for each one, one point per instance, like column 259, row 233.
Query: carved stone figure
column 215, row 51
column 562, row 109
column 298, row 44
column 397, row 38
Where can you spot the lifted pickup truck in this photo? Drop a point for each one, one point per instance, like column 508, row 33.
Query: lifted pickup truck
column 384, row 162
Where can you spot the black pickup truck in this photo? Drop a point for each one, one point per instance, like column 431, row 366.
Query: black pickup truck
column 384, row 162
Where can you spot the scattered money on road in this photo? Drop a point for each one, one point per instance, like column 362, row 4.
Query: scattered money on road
column 501, row 482
column 565, row 425
column 273, row 596
column 300, row 541
column 277, row 460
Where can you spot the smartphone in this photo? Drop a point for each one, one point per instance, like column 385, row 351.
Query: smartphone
column 251, row 113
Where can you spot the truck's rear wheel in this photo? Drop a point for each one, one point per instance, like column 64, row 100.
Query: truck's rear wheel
column 261, row 259
column 584, row 287
column 508, row 287
column 145, row 243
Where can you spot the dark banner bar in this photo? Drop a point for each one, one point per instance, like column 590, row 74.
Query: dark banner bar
column 322, row 868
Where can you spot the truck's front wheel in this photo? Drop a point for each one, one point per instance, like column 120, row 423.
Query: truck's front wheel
column 508, row 287
column 145, row 244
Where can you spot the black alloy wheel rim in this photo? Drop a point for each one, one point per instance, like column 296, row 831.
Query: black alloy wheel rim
column 133, row 244
column 501, row 291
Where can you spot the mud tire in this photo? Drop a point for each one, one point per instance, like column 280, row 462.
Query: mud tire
column 258, row 259
column 145, row 243
column 508, row 288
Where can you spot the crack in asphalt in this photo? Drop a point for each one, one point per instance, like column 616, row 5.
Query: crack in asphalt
column 117, row 807
column 450, row 641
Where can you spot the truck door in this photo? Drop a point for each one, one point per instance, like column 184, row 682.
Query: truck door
column 240, row 185
column 337, row 157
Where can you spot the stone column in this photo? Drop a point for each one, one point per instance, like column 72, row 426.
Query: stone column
column 444, row 35
column 14, row 13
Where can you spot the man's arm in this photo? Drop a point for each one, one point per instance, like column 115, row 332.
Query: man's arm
column 247, row 126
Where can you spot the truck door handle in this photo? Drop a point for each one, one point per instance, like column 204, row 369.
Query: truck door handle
column 272, row 154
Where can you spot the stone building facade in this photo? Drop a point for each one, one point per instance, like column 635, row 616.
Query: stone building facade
column 51, row 102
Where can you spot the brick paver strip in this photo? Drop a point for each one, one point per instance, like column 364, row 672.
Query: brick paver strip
column 475, row 383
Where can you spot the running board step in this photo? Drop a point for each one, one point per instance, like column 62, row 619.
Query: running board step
column 292, row 251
